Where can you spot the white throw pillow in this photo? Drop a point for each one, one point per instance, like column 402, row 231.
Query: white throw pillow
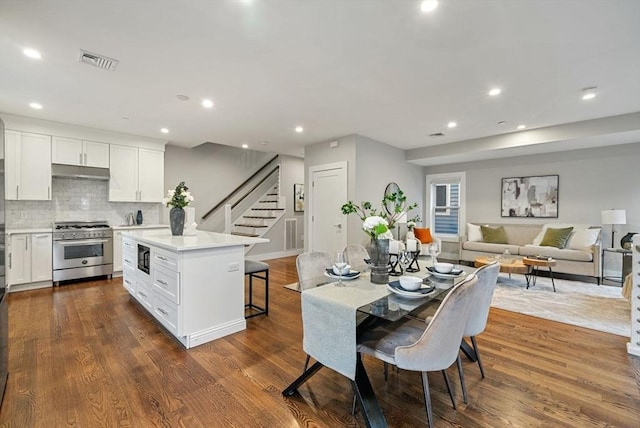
column 583, row 239
column 474, row 233
column 576, row 227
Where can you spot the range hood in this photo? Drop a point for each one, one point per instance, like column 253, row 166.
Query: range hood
column 73, row 171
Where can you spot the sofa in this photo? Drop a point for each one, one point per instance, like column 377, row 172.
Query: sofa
column 580, row 255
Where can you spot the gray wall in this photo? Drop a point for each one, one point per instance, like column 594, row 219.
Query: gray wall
column 212, row 171
column 591, row 180
column 371, row 165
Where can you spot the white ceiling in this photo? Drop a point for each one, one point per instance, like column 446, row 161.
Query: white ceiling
column 376, row 68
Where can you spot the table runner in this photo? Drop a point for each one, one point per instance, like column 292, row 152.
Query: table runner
column 329, row 321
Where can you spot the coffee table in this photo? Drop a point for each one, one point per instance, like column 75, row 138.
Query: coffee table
column 511, row 265
column 533, row 264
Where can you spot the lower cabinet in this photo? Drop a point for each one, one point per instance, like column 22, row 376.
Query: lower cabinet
column 197, row 296
column 29, row 258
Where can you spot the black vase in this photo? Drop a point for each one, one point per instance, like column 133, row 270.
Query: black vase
column 139, row 217
column 625, row 242
column 176, row 220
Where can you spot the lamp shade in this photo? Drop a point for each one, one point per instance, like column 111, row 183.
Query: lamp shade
column 614, row 217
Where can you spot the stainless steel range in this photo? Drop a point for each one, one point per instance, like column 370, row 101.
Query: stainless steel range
column 82, row 249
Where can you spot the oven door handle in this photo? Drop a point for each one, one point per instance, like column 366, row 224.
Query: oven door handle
column 92, row 241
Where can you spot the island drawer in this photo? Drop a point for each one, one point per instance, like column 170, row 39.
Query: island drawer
column 167, row 283
column 128, row 280
column 129, row 260
column 164, row 259
column 144, row 295
column 166, row 313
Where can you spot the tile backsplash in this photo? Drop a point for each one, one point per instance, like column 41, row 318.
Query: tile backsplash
column 77, row 199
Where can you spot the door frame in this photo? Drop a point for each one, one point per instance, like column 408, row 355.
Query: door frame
column 311, row 193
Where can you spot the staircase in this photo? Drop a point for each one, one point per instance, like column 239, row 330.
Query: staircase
column 261, row 216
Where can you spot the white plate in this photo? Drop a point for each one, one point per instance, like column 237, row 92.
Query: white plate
column 408, row 294
column 446, row 275
column 344, row 278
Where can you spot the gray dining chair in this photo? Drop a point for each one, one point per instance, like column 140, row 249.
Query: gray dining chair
column 356, row 256
column 479, row 311
column 417, row 346
column 312, row 264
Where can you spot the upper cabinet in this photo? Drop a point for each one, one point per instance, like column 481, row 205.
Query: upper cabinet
column 27, row 166
column 71, row 151
column 137, row 175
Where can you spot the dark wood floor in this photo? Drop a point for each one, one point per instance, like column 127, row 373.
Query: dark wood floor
column 85, row 355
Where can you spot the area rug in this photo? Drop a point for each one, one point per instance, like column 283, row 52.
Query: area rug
column 582, row 304
column 577, row 303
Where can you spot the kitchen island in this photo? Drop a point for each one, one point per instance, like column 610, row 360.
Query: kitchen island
column 193, row 285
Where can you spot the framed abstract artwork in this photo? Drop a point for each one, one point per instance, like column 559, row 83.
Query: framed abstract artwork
column 535, row 196
column 298, row 197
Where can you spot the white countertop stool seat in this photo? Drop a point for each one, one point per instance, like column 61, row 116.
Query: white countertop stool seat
column 257, row 270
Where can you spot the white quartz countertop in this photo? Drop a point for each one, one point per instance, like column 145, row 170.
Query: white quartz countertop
column 35, row 230
column 141, row 226
column 199, row 241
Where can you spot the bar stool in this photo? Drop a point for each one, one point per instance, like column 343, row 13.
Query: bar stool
column 254, row 269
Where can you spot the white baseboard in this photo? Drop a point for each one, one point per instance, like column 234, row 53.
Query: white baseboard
column 30, row 286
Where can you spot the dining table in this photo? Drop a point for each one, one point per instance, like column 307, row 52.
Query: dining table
column 335, row 313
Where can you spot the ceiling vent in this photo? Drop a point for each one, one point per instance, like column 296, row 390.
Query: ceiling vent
column 437, row 134
column 99, row 61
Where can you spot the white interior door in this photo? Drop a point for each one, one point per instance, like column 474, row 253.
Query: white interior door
column 328, row 230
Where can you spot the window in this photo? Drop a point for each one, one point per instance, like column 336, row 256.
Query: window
column 445, row 197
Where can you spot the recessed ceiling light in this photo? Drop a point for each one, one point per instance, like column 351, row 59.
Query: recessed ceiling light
column 522, row 126
column 451, row 125
column 495, row 91
column 428, row 5
column 36, row 106
column 299, row 129
column 32, row 53
column 207, row 103
column 245, row 146
column 164, row 130
column 589, row 93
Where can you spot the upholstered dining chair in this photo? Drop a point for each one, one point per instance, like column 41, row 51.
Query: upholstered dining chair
column 479, row 311
column 417, row 346
column 312, row 264
column 356, row 256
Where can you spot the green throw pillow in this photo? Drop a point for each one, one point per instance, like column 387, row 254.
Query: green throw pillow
column 494, row 235
column 556, row 237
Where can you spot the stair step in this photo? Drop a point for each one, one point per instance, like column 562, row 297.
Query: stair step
column 250, row 235
column 272, row 194
column 268, row 202
column 250, row 225
column 268, row 209
column 259, row 216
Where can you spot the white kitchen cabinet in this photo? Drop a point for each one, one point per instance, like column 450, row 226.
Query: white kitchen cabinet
column 19, row 263
column 27, row 166
column 121, row 249
column 137, row 175
column 194, row 286
column 29, row 258
column 72, row 151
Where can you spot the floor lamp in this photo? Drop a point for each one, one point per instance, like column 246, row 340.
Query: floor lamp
column 614, row 217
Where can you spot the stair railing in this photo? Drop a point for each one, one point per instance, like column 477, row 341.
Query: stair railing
column 241, row 186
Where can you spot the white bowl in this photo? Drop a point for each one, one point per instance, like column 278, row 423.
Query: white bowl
column 345, row 270
column 443, row 267
column 411, row 283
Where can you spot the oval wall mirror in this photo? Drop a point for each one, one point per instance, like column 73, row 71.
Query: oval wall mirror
column 390, row 204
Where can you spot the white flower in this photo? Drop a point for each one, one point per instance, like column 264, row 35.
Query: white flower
column 371, row 222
